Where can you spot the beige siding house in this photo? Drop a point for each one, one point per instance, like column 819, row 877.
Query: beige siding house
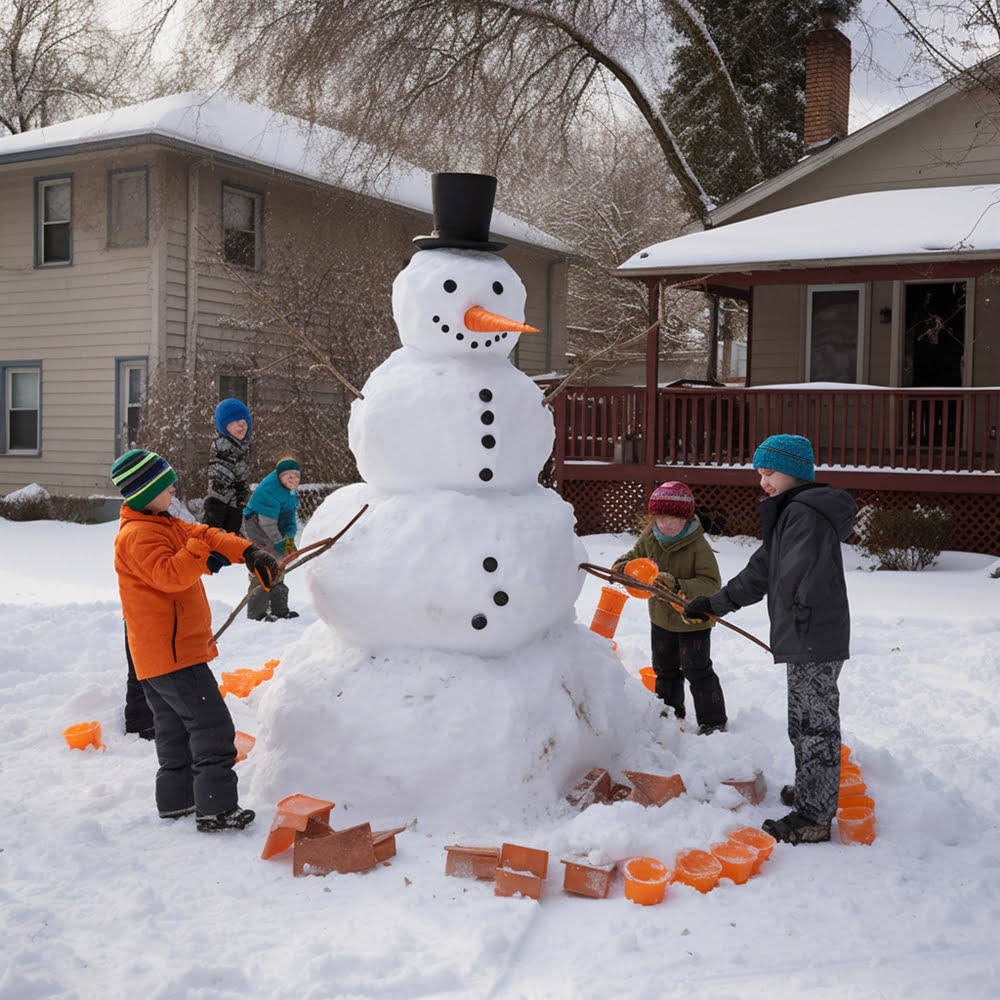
column 113, row 233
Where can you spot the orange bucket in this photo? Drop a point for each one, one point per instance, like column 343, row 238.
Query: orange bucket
column 845, row 752
column 849, row 767
column 698, row 869
column 851, row 785
column 83, row 735
column 271, row 664
column 855, row 800
column 643, row 570
column 645, row 880
column 737, row 860
column 856, row 824
column 240, row 682
column 609, row 609
column 265, row 674
column 648, row 677
column 763, row 843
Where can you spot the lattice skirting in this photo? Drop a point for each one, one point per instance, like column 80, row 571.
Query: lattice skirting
column 603, row 505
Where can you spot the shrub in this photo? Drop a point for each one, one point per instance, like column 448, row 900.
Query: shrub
column 904, row 539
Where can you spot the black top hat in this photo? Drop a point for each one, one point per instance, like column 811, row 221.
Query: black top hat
column 463, row 207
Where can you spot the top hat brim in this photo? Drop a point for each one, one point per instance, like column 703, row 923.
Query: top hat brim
column 456, row 242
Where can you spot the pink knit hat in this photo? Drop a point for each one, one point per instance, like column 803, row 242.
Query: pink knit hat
column 672, row 499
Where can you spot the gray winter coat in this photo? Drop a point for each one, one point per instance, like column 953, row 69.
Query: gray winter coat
column 229, row 470
column 800, row 568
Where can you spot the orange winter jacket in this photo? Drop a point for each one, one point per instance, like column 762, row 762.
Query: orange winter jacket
column 160, row 561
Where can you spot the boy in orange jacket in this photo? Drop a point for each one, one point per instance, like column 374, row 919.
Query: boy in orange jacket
column 160, row 561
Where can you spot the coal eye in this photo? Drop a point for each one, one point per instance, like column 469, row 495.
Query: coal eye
column 498, row 288
column 450, row 286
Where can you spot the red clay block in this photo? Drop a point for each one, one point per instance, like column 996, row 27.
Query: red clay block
column 319, row 851
column 594, row 786
column 753, row 791
column 472, row 862
column 291, row 814
column 384, row 843
column 654, row 789
column 587, row 880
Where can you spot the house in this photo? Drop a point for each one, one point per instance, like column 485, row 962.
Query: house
column 869, row 269
column 126, row 239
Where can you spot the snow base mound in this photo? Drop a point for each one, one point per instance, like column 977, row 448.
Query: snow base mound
column 455, row 738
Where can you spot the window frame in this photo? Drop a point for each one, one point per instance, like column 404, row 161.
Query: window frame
column 123, row 365
column 222, row 395
column 41, row 183
column 257, row 198
column 8, row 368
column 113, row 174
column 862, row 289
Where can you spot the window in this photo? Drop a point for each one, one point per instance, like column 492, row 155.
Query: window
column 54, row 215
column 234, row 387
column 241, row 227
column 130, row 393
column 128, row 216
column 22, row 409
column 835, row 330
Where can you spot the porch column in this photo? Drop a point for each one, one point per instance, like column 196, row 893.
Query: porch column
column 652, row 374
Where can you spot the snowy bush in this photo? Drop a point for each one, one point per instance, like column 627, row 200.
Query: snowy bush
column 903, row 539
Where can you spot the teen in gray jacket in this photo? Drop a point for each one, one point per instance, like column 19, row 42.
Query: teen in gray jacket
column 799, row 567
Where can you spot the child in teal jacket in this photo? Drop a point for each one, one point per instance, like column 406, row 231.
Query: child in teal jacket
column 270, row 521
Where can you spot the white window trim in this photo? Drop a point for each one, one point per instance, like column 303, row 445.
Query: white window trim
column 9, row 371
column 42, row 185
column 862, row 290
column 124, row 367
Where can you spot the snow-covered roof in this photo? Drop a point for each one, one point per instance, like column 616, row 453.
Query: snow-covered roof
column 912, row 225
column 254, row 136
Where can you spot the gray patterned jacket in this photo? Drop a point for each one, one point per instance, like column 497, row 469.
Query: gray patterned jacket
column 229, row 471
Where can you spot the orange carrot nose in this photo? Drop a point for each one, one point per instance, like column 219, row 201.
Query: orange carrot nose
column 480, row 320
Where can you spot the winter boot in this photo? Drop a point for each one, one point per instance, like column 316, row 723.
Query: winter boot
column 232, row 819
column 706, row 730
column 289, row 614
column 788, row 795
column 262, row 618
column 796, row 829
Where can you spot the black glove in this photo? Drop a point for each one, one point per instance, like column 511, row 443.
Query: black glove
column 262, row 564
column 699, row 608
column 215, row 561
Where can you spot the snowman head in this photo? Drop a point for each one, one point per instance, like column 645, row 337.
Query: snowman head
column 459, row 303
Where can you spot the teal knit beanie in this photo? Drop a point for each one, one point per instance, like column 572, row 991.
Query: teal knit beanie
column 788, row 453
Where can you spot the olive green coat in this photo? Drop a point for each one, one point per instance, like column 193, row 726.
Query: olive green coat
column 691, row 560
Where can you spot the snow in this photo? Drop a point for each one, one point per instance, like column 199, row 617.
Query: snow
column 257, row 135
column 920, row 223
column 101, row 898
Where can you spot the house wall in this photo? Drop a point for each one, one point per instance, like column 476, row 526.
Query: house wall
column 75, row 319
column 778, row 342
column 954, row 142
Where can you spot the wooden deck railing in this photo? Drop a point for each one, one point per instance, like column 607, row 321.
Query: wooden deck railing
column 853, row 427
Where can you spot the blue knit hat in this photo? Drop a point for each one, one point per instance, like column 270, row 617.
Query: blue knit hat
column 788, row 453
column 229, row 410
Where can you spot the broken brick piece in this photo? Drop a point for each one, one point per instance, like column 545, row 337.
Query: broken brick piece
column 654, row 789
column 753, row 791
column 472, row 862
column 319, row 851
column 587, row 880
column 384, row 843
column 594, row 786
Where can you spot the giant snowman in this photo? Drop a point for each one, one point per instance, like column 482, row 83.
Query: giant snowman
column 447, row 674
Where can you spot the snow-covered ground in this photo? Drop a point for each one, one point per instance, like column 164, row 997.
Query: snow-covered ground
column 100, row 898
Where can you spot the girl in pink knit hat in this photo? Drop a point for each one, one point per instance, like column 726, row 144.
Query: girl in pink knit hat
column 675, row 540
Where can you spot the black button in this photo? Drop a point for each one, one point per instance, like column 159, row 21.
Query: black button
column 485, row 395
column 487, row 417
column 479, row 622
column 485, row 475
column 489, row 440
column 500, row 598
column 474, row 344
column 490, row 564
column 445, row 328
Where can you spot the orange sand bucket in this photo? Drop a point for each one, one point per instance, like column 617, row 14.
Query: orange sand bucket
column 845, row 752
column 851, row 784
column 609, row 609
column 846, row 801
column 240, row 682
column 643, row 570
column 698, row 869
column 83, row 735
column 856, row 824
column 763, row 843
column 849, row 767
column 645, row 880
column 737, row 860
column 648, row 677
column 271, row 664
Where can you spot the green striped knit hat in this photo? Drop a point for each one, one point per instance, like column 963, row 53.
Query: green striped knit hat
column 141, row 476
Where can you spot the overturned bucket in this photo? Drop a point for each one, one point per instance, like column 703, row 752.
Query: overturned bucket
column 83, row 735
column 648, row 677
column 609, row 609
column 645, row 880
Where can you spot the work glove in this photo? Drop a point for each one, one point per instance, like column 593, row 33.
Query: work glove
column 699, row 608
column 668, row 580
column 289, row 547
column 215, row 561
column 262, row 564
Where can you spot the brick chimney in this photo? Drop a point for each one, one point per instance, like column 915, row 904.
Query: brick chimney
column 828, row 85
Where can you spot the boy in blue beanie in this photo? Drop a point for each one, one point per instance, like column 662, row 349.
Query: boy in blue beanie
column 270, row 521
column 228, row 472
column 800, row 568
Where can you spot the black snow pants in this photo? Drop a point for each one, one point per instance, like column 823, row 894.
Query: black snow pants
column 194, row 743
column 680, row 656
column 138, row 714
column 814, row 729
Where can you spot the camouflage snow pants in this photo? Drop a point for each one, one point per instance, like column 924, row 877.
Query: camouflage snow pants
column 814, row 729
